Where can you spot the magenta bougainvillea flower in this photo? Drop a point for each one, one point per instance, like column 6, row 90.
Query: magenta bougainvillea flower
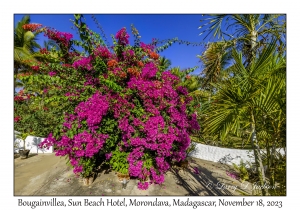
column 60, row 37
column 84, row 63
column 232, row 175
column 102, row 51
column 17, row 119
column 52, row 73
column 143, row 185
column 123, row 37
column 126, row 111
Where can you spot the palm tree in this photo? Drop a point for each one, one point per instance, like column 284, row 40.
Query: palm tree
column 24, row 42
column 215, row 60
column 251, row 34
column 24, row 46
column 255, row 94
column 53, row 50
column 249, row 29
column 50, row 44
column 164, row 63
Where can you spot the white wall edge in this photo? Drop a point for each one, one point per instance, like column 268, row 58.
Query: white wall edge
column 224, row 155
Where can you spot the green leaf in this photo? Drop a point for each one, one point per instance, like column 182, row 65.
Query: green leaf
column 77, row 16
column 83, row 25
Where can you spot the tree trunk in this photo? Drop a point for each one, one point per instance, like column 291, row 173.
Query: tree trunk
column 257, row 156
column 272, row 167
column 252, row 51
column 253, row 40
column 268, row 153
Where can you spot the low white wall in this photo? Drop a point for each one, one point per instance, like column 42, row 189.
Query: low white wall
column 17, row 145
column 31, row 143
column 223, row 155
column 202, row 151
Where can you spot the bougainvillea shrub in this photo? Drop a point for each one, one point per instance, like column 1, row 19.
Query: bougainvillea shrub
column 119, row 106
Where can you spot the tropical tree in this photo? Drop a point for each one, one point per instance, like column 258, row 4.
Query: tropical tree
column 50, row 44
column 216, row 58
column 24, row 45
column 164, row 63
column 24, row 42
column 251, row 34
column 250, row 100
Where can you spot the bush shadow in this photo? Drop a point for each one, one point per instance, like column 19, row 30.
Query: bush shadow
column 197, row 180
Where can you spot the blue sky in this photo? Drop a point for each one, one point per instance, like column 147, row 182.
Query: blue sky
column 183, row 26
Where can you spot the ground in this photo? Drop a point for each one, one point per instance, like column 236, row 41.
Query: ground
column 46, row 174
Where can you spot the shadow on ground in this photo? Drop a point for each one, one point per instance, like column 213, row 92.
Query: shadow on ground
column 17, row 155
column 46, row 174
column 197, row 179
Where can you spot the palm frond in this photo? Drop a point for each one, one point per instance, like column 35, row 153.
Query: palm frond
column 215, row 59
column 21, row 54
column 268, row 99
column 215, row 26
column 264, row 59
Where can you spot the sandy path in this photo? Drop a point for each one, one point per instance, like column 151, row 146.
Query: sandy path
column 46, row 174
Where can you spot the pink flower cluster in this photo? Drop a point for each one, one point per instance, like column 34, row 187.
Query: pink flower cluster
column 92, row 81
column 146, row 47
column 135, row 164
column 60, row 37
column 149, row 71
column 122, row 36
column 17, row 119
column 149, row 114
column 143, row 185
column 92, row 110
column 128, row 55
column 102, row 52
column 108, row 156
column 83, row 144
column 84, row 62
column 52, row 73
column 156, row 100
